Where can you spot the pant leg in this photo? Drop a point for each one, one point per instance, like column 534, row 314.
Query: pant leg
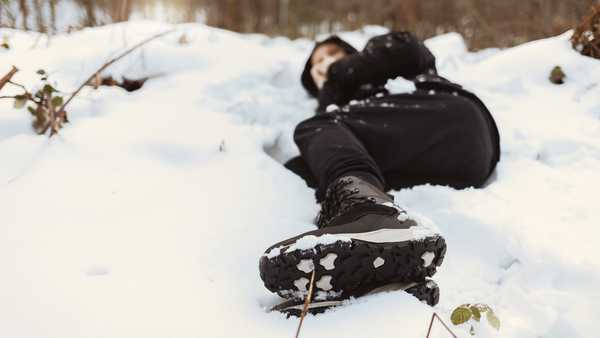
column 420, row 138
column 331, row 149
column 439, row 139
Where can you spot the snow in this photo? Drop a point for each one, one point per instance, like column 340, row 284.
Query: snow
column 308, row 242
column 331, row 108
column 400, row 85
column 132, row 222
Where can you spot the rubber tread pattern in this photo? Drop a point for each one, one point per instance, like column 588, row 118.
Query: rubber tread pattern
column 353, row 271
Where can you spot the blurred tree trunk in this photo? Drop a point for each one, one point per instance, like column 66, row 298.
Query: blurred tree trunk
column 39, row 16
column 257, row 6
column 90, row 13
column 24, row 13
column 7, row 18
column 124, row 10
column 53, row 16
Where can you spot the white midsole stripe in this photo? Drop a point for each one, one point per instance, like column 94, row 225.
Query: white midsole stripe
column 384, row 235
column 377, row 236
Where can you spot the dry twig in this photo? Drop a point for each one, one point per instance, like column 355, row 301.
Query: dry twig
column 6, row 78
column 306, row 303
column 434, row 316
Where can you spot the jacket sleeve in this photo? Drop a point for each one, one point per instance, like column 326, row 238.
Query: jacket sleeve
column 384, row 57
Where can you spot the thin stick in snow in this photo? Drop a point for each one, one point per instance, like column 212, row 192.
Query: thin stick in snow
column 306, row 303
column 434, row 316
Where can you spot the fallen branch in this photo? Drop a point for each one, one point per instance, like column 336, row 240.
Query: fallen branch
column 128, row 84
column 6, row 78
column 108, row 64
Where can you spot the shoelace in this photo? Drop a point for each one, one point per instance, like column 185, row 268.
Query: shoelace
column 338, row 200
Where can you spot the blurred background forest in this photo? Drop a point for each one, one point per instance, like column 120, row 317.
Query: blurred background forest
column 483, row 23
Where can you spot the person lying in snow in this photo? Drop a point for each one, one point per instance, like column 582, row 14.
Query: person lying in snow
column 364, row 141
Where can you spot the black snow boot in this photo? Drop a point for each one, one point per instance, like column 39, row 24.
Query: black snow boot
column 365, row 241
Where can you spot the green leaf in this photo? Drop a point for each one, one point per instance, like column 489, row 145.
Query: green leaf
column 57, row 101
column 5, row 43
column 48, row 89
column 32, row 110
column 482, row 307
column 493, row 320
column 20, row 101
column 41, row 72
column 557, row 76
column 476, row 312
column 461, row 315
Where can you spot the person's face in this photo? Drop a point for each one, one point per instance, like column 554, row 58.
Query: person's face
column 321, row 59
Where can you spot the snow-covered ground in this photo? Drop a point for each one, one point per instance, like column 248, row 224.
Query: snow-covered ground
column 147, row 215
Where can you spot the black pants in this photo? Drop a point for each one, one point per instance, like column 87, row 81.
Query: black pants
column 440, row 139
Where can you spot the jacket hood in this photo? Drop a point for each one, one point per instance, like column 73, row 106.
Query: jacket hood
column 307, row 81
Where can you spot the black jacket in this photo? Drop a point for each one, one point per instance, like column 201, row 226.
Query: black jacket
column 361, row 76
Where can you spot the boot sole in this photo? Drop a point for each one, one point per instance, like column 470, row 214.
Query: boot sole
column 427, row 292
column 348, row 268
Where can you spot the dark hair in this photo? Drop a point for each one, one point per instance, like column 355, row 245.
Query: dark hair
column 307, row 81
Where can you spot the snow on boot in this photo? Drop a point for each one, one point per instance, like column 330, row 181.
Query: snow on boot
column 365, row 241
column 426, row 291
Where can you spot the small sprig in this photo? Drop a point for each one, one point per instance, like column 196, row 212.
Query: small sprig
column 466, row 312
column 5, row 43
column 43, row 105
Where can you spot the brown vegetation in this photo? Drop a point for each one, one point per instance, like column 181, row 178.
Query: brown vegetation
column 47, row 104
column 483, row 23
column 586, row 38
column 44, row 105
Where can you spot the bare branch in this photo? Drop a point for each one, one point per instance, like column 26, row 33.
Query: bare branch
column 430, row 325
column 6, row 78
column 107, row 64
column 17, row 84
